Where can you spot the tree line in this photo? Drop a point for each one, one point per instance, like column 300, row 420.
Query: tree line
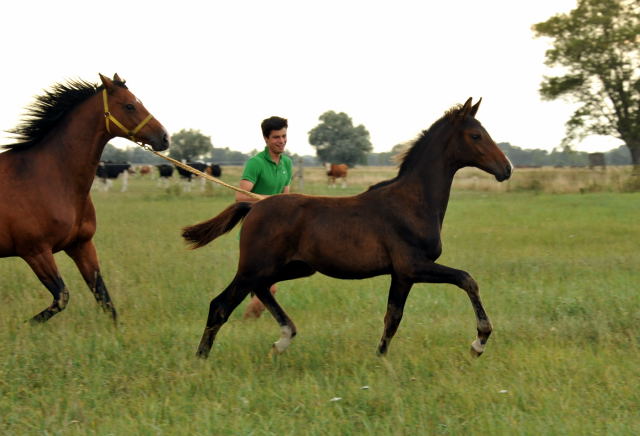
column 598, row 46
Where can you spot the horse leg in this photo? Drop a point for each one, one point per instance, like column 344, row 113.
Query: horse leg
column 86, row 259
column 287, row 327
column 220, row 309
column 255, row 307
column 436, row 273
column 398, row 293
column 44, row 266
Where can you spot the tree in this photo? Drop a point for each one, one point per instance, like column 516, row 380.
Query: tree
column 338, row 141
column 598, row 44
column 190, row 145
column 112, row 153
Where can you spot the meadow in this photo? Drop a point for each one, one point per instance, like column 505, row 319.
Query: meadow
column 555, row 252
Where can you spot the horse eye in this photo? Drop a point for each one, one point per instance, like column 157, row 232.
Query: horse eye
column 129, row 107
column 475, row 136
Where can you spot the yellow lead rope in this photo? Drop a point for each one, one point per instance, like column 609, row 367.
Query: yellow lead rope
column 200, row 173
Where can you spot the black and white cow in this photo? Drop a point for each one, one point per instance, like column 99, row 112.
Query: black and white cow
column 165, row 171
column 211, row 169
column 109, row 171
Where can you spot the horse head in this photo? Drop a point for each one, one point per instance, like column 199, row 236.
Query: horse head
column 126, row 116
column 474, row 146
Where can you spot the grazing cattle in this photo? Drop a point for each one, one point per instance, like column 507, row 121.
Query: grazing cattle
column 214, row 170
column 109, row 171
column 393, row 228
column 166, row 172
column 336, row 171
column 597, row 160
column 186, row 175
column 144, row 170
column 45, row 184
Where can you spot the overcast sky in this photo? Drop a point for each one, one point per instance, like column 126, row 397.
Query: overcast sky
column 222, row 67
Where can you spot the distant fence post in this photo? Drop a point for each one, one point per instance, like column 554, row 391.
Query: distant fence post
column 298, row 175
column 597, row 160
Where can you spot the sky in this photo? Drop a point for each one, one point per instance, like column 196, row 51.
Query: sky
column 221, row 67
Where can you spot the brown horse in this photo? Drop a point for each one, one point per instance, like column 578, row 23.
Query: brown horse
column 45, row 179
column 393, row 228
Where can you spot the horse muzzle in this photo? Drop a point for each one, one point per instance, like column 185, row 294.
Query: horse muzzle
column 159, row 141
column 505, row 173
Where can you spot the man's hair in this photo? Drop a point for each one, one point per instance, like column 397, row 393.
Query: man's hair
column 271, row 124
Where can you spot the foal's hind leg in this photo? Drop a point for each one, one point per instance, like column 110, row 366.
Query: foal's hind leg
column 44, row 266
column 86, row 259
column 436, row 273
column 220, row 309
column 287, row 327
column 398, row 293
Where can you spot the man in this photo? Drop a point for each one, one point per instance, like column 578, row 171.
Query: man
column 267, row 173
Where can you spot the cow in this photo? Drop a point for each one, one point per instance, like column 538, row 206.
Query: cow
column 108, row 171
column 336, row 171
column 165, row 171
column 214, row 170
column 210, row 169
column 144, row 169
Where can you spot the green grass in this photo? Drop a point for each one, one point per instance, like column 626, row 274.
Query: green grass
column 558, row 275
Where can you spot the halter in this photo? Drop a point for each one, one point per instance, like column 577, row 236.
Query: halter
column 108, row 117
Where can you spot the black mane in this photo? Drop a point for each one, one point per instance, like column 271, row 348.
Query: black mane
column 410, row 157
column 47, row 110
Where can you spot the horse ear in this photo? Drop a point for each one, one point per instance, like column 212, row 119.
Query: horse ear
column 117, row 78
column 108, row 84
column 466, row 108
column 474, row 108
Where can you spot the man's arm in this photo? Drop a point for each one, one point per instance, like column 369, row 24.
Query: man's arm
column 247, row 186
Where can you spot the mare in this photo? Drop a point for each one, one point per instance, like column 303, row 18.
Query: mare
column 46, row 177
column 392, row 228
column 336, row 171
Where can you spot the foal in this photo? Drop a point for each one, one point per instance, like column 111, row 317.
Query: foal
column 393, row 228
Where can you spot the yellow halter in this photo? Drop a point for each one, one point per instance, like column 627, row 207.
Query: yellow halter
column 108, row 117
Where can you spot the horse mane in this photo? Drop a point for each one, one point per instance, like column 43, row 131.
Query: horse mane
column 47, row 110
column 409, row 158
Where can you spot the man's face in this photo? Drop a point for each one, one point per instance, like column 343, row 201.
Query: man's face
column 276, row 141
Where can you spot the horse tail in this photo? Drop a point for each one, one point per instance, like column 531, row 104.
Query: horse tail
column 199, row 235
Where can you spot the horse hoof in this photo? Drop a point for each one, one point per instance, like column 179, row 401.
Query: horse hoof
column 476, row 349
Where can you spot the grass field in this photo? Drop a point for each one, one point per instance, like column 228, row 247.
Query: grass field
column 558, row 275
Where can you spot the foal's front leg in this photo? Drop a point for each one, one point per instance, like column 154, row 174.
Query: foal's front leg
column 398, row 293
column 436, row 273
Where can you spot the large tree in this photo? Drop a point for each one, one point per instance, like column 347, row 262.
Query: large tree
column 337, row 140
column 598, row 46
column 190, row 145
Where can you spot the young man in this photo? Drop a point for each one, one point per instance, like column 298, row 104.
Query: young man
column 267, row 173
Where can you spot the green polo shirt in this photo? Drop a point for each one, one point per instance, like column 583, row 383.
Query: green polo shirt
column 268, row 178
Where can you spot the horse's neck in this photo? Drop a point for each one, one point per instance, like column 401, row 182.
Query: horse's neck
column 77, row 144
column 431, row 179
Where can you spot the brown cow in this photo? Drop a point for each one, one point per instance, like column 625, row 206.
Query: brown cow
column 336, row 171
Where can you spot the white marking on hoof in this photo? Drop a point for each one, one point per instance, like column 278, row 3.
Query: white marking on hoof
column 477, row 348
column 285, row 339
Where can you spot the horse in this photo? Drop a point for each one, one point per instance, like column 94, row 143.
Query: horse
column 46, row 177
column 392, row 228
column 336, row 171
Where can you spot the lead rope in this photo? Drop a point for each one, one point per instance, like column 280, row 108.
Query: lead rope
column 198, row 172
